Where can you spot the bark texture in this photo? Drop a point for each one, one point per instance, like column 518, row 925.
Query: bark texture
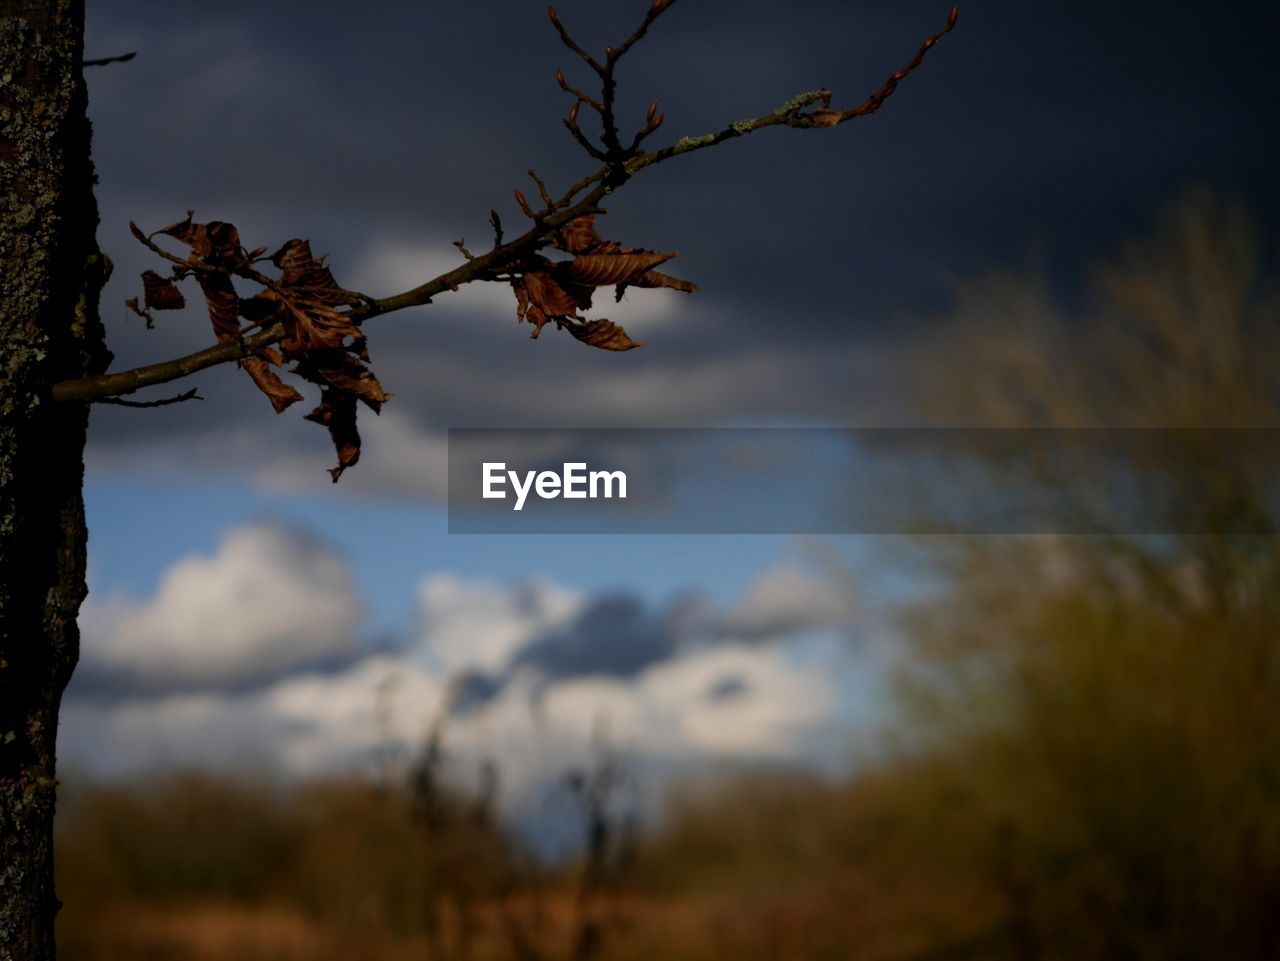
column 50, row 275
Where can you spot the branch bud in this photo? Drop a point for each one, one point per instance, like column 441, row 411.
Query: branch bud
column 551, row 12
column 653, row 112
column 524, row 204
column 564, row 84
column 573, row 111
column 955, row 15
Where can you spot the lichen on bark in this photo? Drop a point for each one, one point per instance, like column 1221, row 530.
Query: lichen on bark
column 50, row 275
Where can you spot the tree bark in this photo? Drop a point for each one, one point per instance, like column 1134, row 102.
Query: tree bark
column 51, row 272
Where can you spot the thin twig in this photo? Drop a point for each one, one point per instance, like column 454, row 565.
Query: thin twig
column 103, row 61
column 830, row 118
column 571, row 122
column 163, row 402
column 542, row 189
column 572, row 44
column 195, row 267
column 586, row 98
column 656, row 9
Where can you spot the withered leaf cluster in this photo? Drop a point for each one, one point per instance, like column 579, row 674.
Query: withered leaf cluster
column 324, row 343
column 554, row 291
column 322, row 339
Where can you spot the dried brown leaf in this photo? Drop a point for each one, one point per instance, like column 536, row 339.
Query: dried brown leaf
column 180, row 228
column 547, row 291
column 554, row 295
column 309, row 325
column 340, row 371
column 337, row 412
column 604, row 334
column 223, row 304
column 224, row 245
column 192, row 234
column 308, row 275
column 655, row 279
column 603, row 270
column 578, row 236
column 258, row 308
column 132, row 304
column 160, row 293
column 278, row 392
column 543, row 296
column 216, row 244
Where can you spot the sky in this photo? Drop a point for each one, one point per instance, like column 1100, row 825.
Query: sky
column 245, row 611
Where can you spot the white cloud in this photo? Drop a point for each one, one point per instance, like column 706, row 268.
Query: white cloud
column 343, row 721
column 470, row 625
column 785, row 599
column 385, row 705
column 773, row 702
column 266, row 602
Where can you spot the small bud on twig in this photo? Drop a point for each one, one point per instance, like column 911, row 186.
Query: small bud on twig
column 564, row 84
column 551, row 12
column 524, row 204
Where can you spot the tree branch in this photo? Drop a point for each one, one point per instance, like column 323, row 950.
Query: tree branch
column 795, row 113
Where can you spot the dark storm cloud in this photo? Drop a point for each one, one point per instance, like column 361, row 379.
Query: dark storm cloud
column 1060, row 127
column 727, row 688
column 613, row 637
column 473, row 691
column 617, row 636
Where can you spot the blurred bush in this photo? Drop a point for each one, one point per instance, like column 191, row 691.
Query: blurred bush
column 1105, row 708
column 1090, row 744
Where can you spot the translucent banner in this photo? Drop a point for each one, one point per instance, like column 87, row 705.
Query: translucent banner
column 864, row 481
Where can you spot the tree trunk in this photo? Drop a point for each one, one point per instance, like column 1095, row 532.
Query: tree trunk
column 50, row 273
